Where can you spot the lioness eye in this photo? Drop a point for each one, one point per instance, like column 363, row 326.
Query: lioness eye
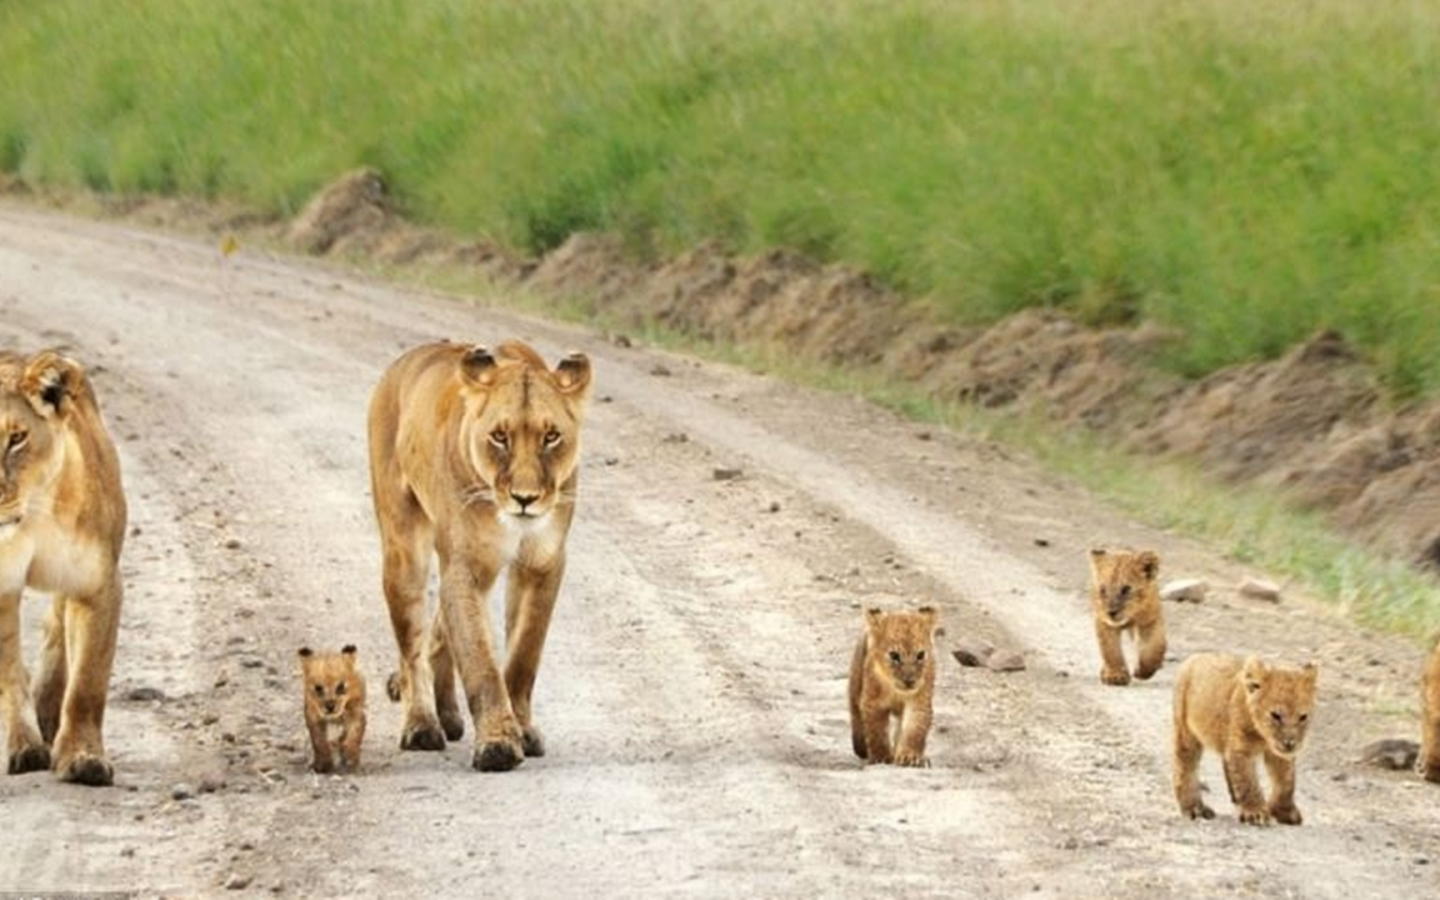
column 499, row 438
column 895, row 657
column 18, row 439
column 552, row 437
column 340, row 689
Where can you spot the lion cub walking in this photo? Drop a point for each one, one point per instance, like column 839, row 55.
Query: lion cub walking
column 1428, row 763
column 1242, row 710
column 1126, row 597
column 892, row 686
column 334, row 707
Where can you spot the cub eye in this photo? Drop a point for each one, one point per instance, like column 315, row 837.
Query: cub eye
column 1304, row 717
column 1125, row 592
column 340, row 689
column 919, row 655
column 319, row 690
column 552, row 437
column 1278, row 716
column 17, row 440
column 499, row 438
column 895, row 657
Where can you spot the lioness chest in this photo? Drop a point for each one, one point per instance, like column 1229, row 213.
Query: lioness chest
column 42, row 556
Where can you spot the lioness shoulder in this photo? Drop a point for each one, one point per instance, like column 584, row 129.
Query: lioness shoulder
column 892, row 686
column 1243, row 710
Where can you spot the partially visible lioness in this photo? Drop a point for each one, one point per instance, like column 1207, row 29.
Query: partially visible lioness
column 1125, row 597
column 62, row 524
column 473, row 456
column 892, row 687
column 1428, row 762
column 1242, row 710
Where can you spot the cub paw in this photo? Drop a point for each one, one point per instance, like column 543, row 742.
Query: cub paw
column 1145, row 673
column 87, row 769
column 1198, row 810
column 322, row 766
column 532, row 741
column 34, row 758
column 422, row 737
column 1118, row 678
column 1429, row 770
column 1255, row 816
column 498, row 756
column 1286, row 815
column 912, row 760
column 392, row 687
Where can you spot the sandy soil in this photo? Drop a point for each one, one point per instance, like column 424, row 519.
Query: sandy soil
column 693, row 689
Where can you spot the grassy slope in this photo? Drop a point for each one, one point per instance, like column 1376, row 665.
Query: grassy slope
column 1247, row 171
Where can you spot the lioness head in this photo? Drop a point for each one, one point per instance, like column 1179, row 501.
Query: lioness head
column 37, row 396
column 1280, row 702
column 1120, row 580
column 330, row 681
column 522, row 428
column 903, row 643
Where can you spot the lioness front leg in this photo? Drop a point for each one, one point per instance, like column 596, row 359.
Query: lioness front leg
column 1112, row 670
column 26, row 749
column 528, row 608
column 91, row 626
column 407, row 547
column 467, row 627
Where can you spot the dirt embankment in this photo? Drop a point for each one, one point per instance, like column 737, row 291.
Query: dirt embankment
column 1314, row 422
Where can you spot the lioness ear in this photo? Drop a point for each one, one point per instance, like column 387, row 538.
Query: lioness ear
column 50, row 383
column 478, row 366
column 1150, row 564
column 1254, row 674
column 572, row 376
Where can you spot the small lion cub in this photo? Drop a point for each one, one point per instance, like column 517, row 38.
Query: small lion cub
column 334, row 707
column 1428, row 762
column 1126, row 597
column 1242, row 710
column 892, row 686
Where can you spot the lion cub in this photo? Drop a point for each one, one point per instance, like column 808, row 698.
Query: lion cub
column 1126, row 597
column 1242, row 710
column 334, row 707
column 892, row 686
column 1428, row 763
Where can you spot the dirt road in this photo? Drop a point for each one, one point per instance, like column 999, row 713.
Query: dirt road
column 693, row 688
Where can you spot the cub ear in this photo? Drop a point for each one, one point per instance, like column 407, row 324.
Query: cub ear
column 873, row 617
column 1311, row 671
column 51, row 382
column 1254, row 674
column 348, row 650
column 1098, row 556
column 931, row 617
column 478, row 366
column 572, row 376
column 305, row 654
column 1150, row 564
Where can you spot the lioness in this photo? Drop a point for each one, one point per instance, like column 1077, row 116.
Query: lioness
column 62, row 524
column 473, row 456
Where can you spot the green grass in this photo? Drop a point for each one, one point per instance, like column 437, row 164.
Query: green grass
column 1247, row 172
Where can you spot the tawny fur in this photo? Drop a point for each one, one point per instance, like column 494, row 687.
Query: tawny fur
column 474, row 456
column 1243, row 710
column 334, row 707
column 1125, row 597
column 62, row 527
column 892, row 687
column 1428, row 762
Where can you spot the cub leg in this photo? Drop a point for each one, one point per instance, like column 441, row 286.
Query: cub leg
column 1245, row 790
column 1151, row 640
column 1188, row 751
column 1282, row 789
column 1428, row 762
column 351, row 740
column 91, row 627
column 877, row 734
column 324, row 761
column 463, row 591
column 857, row 687
column 26, row 749
column 529, row 604
column 914, row 730
column 1112, row 670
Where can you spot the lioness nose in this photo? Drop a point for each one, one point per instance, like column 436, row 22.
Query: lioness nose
column 525, row 499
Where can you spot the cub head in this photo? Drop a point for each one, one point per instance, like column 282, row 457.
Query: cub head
column 331, row 682
column 38, row 397
column 522, row 428
column 1121, row 581
column 902, row 644
column 1280, row 702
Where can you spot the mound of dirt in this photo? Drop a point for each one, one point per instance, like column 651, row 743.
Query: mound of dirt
column 1313, row 422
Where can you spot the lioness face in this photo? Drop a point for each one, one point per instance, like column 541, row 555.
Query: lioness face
column 1120, row 579
column 1281, row 701
column 905, row 642
column 523, row 430
column 31, row 439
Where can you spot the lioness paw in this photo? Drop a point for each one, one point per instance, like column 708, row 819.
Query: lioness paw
column 87, row 769
column 1286, row 815
column 34, row 758
column 1199, row 810
column 498, row 756
column 1255, row 816
column 422, row 737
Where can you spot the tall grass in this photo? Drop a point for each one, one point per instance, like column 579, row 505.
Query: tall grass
column 1247, row 172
